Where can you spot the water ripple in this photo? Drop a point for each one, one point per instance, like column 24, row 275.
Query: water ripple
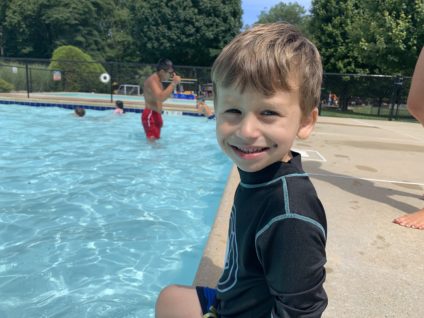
column 94, row 220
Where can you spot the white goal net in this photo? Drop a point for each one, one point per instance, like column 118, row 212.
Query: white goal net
column 128, row 89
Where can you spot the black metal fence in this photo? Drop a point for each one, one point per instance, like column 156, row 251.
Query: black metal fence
column 373, row 96
column 365, row 95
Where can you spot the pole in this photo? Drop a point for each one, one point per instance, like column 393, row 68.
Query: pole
column 111, row 83
column 397, row 87
column 27, row 78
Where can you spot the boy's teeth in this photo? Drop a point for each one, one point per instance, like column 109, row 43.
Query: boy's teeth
column 250, row 150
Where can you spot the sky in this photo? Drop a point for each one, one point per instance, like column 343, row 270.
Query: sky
column 252, row 8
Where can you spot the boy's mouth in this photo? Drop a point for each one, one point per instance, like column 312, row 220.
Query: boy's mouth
column 249, row 150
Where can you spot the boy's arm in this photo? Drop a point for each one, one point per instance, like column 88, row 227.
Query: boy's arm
column 416, row 92
column 293, row 258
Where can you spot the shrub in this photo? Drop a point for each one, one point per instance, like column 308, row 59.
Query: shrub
column 5, row 87
column 79, row 71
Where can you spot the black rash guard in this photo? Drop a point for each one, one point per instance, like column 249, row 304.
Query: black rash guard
column 274, row 264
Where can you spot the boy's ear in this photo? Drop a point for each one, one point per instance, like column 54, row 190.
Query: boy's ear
column 307, row 124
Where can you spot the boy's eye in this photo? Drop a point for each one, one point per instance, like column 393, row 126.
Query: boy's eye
column 233, row 111
column 270, row 113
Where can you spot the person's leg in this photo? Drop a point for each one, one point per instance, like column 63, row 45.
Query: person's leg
column 414, row 220
column 158, row 124
column 145, row 121
column 178, row 302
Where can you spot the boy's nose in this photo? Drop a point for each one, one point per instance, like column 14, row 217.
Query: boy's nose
column 249, row 127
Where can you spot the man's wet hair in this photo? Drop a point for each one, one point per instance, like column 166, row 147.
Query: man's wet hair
column 165, row 64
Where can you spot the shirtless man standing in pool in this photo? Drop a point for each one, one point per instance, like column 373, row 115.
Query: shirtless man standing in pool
column 155, row 95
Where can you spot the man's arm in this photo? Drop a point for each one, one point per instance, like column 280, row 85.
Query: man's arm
column 416, row 93
column 161, row 94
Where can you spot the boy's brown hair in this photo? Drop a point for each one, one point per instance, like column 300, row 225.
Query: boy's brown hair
column 268, row 58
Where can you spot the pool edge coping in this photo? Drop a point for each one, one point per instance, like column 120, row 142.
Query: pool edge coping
column 212, row 261
column 69, row 103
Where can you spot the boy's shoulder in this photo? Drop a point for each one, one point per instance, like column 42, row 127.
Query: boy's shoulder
column 287, row 195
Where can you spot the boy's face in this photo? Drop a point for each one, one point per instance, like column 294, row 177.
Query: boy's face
column 256, row 131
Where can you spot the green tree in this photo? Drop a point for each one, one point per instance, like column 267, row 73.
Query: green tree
column 368, row 36
column 34, row 28
column 79, row 71
column 3, row 7
column 5, row 87
column 290, row 12
column 119, row 43
column 190, row 32
column 389, row 35
column 331, row 22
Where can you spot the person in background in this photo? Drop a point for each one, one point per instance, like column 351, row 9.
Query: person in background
column 267, row 84
column 155, row 94
column 416, row 108
column 119, row 107
column 115, row 87
column 203, row 108
column 79, row 111
column 330, row 99
column 334, row 100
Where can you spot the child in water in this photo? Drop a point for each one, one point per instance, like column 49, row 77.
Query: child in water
column 203, row 108
column 119, row 107
column 79, row 111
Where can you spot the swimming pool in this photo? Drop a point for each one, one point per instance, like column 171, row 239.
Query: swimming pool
column 106, row 97
column 94, row 220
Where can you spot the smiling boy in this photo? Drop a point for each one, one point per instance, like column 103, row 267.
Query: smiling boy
column 267, row 85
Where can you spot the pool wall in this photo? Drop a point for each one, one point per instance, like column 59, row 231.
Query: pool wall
column 40, row 100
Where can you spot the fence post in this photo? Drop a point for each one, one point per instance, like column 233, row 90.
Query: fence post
column 397, row 87
column 27, row 78
column 30, row 81
column 111, row 81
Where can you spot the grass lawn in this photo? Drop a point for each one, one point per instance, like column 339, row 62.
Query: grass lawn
column 368, row 112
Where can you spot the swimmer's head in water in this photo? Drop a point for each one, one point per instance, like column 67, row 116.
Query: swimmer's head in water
column 119, row 104
column 79, row 111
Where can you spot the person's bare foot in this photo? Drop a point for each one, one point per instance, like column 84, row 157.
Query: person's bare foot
column 414, row 220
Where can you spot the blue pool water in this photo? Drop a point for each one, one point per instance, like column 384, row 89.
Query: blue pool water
column 106, row 97
column 94, row 220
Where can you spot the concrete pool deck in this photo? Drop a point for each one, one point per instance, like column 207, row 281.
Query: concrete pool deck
column 366, row 173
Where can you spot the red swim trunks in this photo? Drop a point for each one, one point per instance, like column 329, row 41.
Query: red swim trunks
column 152, row 123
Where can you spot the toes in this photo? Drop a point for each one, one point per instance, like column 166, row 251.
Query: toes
column 398, row 220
